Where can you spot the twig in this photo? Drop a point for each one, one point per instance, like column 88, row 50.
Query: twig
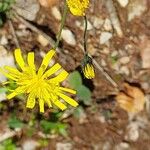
column 35, row 29
column 113, row 17
column 14, row 33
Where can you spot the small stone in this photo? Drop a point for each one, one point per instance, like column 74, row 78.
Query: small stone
column 124, row 70
column 145, row 51
column 30, row 145
column 89, row 25
column 102, row 119
column 106, row 50
column 27, row 8
column 92, row 50
column 68, row 37
column 56, row 13
column 103, row 63
column 132, row 132
column 107, row 25
column 42, row 40
column 136, row 8
column 123, row 3
column 3, row 40
column 97, row 22
column 122, row 146
column 124, row 60
column 105, row 37
column 114, row 54
column 63, row 146
column 6, row 59
column 107, row 146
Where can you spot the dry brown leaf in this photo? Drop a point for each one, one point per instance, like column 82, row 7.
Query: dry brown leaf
column 132, row 99
column 48, row 3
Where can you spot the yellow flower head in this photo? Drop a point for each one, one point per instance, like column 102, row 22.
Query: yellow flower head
column 88, row 68
column 38, row 84
column 77, row 7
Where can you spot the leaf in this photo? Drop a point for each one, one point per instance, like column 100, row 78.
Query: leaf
column 132, row 99
column 56, row 127
column 84, row 94
column 78, row 112
column 3, row 90
column 13, row 123
column 75, row 79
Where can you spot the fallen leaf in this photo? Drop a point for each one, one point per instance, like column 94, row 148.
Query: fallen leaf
column 132, row 99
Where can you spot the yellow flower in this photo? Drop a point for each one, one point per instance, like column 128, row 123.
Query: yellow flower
column 88, row 69
column 77, row 7
column 37, row 84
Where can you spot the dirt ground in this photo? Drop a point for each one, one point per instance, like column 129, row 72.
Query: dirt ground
column 103, row 125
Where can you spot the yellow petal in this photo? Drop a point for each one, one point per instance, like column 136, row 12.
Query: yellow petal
column 68, row 90
column 30, row 101
column 8, row 75
column 46, row 97
column 52, row 70
column 68, row 99
column 31, row 60
column 17, row 91
column 60, row 105
column 45, row 62
column 60, row 77
column 12, row 70
column 19, row 59
column 41, row 104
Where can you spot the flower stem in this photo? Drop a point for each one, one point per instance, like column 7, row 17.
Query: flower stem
column 85, row 33
column 62, row 25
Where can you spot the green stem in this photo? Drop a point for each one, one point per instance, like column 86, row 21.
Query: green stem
column 62, row 25
column 85, row 33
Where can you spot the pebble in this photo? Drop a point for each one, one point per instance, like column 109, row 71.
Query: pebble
column 105, row 37
column 136, row 8
column 42, row 40
column 63, row 146
column 30, row 145
column 27, row 8
column 107, row 25
column 97, row 22
column 89, row 25
column 3, row 40
column 123, row 3
column 124, row 60
column 122, row 146
column 5, row 59
column 124, row 70
column 132, row 132
column 56, row 13
column 68, row 37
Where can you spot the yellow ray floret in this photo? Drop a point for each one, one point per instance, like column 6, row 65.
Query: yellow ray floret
column 89, row 71
column 88, row 68
column 38, row 84
column 78, row 7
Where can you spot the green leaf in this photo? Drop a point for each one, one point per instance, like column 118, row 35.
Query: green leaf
column 84, row 94
column 7, row 145
column 75, row 79
column 56, row 127
column 78, row 112
column 3, row 90
column 13, row 123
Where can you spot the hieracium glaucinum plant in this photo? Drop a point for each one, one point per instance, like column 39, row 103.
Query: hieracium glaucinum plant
column 39, row 85
column 78, row 7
